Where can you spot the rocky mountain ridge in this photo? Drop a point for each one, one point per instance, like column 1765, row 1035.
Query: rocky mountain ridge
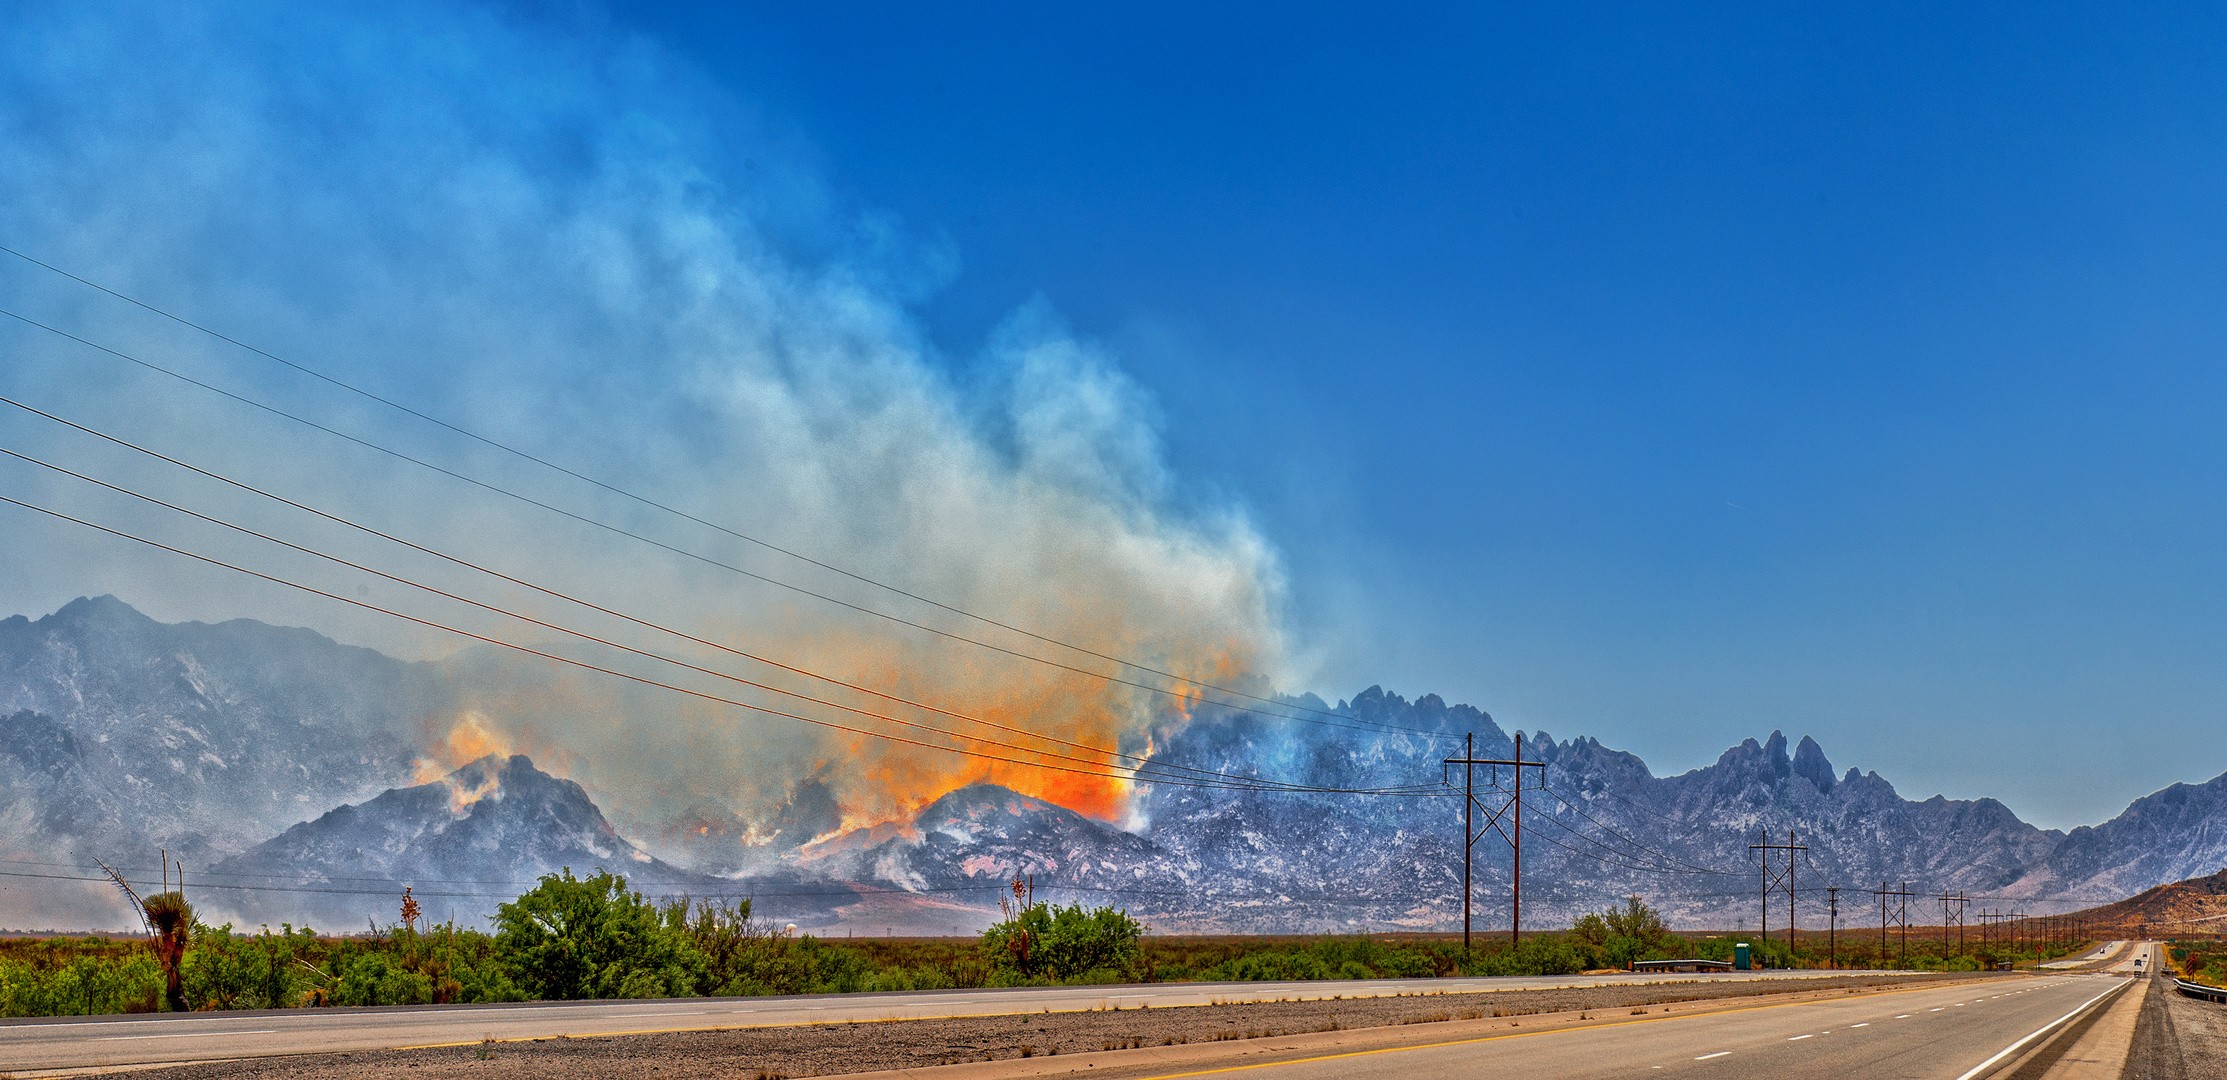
column 229, row 744
column 479, row 835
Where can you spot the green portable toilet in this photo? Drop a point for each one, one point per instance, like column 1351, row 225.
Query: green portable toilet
column 1740, row 960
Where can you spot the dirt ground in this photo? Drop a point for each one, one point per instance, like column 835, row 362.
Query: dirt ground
column 831, row 1049
column 2177, row 1037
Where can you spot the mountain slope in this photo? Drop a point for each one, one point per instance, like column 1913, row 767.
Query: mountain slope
column 1598, row 824
column 2197, row 906
column 2176, row 833
column 198, row 738
column 476, row 837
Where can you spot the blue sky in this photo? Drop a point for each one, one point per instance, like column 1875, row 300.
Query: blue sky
column 1661, row 374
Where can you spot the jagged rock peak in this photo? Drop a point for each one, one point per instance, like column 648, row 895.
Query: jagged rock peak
column 1430, row 711
column 1810, row 763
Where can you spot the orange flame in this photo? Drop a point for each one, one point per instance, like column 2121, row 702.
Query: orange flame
column 895, row 781
column 469, row 739
column 679, row 766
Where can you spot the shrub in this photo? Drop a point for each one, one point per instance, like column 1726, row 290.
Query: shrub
column 1534, row 956
column 592, row 938
column 1059, row 944
column 373, row 978
column 82, row 986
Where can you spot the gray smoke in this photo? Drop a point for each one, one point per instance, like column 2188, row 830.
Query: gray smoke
column 555, row 235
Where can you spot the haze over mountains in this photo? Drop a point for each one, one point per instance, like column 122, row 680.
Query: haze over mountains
column 286, row 769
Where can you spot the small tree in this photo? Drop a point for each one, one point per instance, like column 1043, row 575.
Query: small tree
column 1637, row 921
column 1620, row 935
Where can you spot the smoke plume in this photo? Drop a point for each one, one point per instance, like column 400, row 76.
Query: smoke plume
column 559, row 237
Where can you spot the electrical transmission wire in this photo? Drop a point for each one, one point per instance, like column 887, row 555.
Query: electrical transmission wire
column 1249, row 784
column 664, row 507
column 1628, row 861
column 431, row 624
column 683, row 552
column 859, row 889
column 1576, row 807
column 1141, row 763
column 492, row 609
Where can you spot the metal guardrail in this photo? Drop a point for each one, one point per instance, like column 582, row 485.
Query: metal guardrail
column 2199, row 990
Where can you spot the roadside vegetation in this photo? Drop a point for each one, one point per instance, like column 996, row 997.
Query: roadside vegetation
column 2199, row 961
column 593, row 937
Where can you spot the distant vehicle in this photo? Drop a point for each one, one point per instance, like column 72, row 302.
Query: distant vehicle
column 2137, row 961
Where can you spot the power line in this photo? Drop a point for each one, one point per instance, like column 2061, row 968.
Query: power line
column 861, row 889
column 646, row 501
column 431, row 624
column 1629, row 861
column 853, row 889
column 1573, row 804
column 616, row 530
column 544, row 589
column 1142, row 764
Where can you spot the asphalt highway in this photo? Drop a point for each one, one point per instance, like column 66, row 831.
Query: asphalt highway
column 42, row 1043
column 2093, row 956
column 1937, row 1033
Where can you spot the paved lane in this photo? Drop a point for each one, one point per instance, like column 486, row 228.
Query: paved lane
column 1942, row 1033
column 77, row 1042
column 2097, row 954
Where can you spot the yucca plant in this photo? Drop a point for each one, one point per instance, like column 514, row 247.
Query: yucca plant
column 168, row 920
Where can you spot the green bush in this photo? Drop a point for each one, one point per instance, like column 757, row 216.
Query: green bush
column 592, row 938
column 1041, row 942
column 1534, row 956
column 81, row 986
column 1270, row 966
column 374, row 978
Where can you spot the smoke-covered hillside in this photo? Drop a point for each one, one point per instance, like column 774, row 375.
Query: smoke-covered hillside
column 120, row 735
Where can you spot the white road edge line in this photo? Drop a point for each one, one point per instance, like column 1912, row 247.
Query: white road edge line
column 183, row 1035
column 2006, row 1051
column 1706, row 1057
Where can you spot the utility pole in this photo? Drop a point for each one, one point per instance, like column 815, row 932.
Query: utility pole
column 1959, row 902
column 1789, row 847
column 1832, row 926
column 1790, row 909
column 1881, row 894
column 1902, row 919
column 1471, row 833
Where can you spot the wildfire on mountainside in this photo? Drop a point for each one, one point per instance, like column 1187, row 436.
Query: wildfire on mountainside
column 705, row 773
